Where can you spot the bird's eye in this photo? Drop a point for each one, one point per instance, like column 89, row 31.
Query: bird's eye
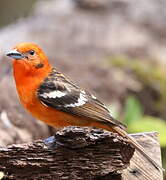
column 32, row 52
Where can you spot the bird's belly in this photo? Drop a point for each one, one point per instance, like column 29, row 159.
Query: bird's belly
column 53, row 117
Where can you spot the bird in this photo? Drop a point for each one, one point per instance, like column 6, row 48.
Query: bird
column 53, row 98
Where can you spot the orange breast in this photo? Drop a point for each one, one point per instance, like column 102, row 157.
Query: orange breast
column 27, row 85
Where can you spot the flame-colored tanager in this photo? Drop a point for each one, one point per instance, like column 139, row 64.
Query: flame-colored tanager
column 53, row 98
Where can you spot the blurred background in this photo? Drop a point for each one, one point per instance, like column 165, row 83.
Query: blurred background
column 114, row 48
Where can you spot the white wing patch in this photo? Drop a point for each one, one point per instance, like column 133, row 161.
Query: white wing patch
column 53, row 94
column 81, row 100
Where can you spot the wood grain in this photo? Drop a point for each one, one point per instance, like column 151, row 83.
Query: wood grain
column 140, row 168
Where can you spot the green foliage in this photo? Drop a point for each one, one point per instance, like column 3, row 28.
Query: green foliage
column 149, row 73
column 132, row 110
column 148, row 123
column 137, row 122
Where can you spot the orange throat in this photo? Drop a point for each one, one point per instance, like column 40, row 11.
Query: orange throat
column 28, row 80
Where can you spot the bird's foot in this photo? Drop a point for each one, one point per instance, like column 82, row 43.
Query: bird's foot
column 51, row 142
column 71, row 138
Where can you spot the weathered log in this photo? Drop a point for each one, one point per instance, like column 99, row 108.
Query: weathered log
column 75, row 153
column 140, row 168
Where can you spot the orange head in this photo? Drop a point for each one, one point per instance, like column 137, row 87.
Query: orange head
column 28, row 57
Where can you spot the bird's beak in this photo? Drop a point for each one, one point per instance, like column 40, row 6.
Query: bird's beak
column 15, row 54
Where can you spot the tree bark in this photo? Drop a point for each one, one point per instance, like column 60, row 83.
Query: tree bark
column 74, row 153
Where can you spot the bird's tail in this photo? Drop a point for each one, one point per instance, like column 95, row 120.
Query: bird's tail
column 137, row 146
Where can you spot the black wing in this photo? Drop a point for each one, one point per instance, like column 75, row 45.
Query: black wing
column 60, row 93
